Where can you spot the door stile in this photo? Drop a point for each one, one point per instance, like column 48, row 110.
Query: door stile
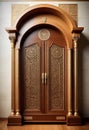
column 43, row 80
column 47, row 69
column 46, row 77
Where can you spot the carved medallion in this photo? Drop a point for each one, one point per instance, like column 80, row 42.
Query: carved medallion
column 44, row 34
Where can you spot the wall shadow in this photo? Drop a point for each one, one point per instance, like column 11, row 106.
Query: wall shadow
column 83, row 43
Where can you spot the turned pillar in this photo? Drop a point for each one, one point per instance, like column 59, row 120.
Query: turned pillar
column 15, row 95
column 75, row 45
column 69, row 83
column 12, row 38
column 15, row 117
column 75, row 36
column 17, row 85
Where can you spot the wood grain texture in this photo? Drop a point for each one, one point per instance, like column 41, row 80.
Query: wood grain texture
column 38, row 17
column 50, row 95
column 3, row 126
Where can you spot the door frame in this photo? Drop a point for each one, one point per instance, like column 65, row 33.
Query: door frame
column 42, row 15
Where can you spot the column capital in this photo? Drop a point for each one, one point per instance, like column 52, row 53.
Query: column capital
column 12, row 35
column 76, row 32
column 75, row 37
column 75, row 40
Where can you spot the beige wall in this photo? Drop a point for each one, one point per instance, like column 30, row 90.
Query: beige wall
column 5, row 56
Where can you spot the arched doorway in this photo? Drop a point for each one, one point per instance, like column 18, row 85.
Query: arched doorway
column 42, row 43
column 43, row 55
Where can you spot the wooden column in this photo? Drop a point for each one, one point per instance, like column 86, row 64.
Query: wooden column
column 12, row 39
column 69, row 83
column 74, row 119
column 75, row 36
column 15, row 117
column 17, row 85
column 75, row 39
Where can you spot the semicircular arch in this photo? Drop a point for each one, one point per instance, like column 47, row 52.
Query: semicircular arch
column 45, row 9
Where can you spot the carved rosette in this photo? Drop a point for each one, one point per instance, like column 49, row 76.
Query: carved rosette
column 44, row 34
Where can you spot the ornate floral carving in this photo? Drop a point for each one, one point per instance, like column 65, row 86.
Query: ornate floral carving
column 44, row 34
column 32, row 77
column 56, row 73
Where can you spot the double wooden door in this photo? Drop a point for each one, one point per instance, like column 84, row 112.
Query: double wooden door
column 44, row 76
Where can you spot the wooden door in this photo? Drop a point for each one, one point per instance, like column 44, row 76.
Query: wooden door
column 43, row 76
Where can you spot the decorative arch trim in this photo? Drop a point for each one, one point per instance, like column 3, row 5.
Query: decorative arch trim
column 47, row 15
column 44, row 9
column 43, row 15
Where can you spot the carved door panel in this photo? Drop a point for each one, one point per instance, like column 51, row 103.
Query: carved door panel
column 43, row 57
column 56, row 78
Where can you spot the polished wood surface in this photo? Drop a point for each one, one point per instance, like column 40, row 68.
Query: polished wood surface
column 3, row 126
column 39, row 16
column 44, row 101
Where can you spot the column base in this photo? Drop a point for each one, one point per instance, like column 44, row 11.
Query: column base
column 14, row 120
column 74, row 120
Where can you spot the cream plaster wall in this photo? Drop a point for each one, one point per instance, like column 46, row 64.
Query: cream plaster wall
column 5, row 56
column 5, row 66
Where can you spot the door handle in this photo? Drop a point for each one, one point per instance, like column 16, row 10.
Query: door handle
column 45, row 78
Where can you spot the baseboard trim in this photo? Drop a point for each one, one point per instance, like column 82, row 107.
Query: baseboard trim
column 84, row 119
